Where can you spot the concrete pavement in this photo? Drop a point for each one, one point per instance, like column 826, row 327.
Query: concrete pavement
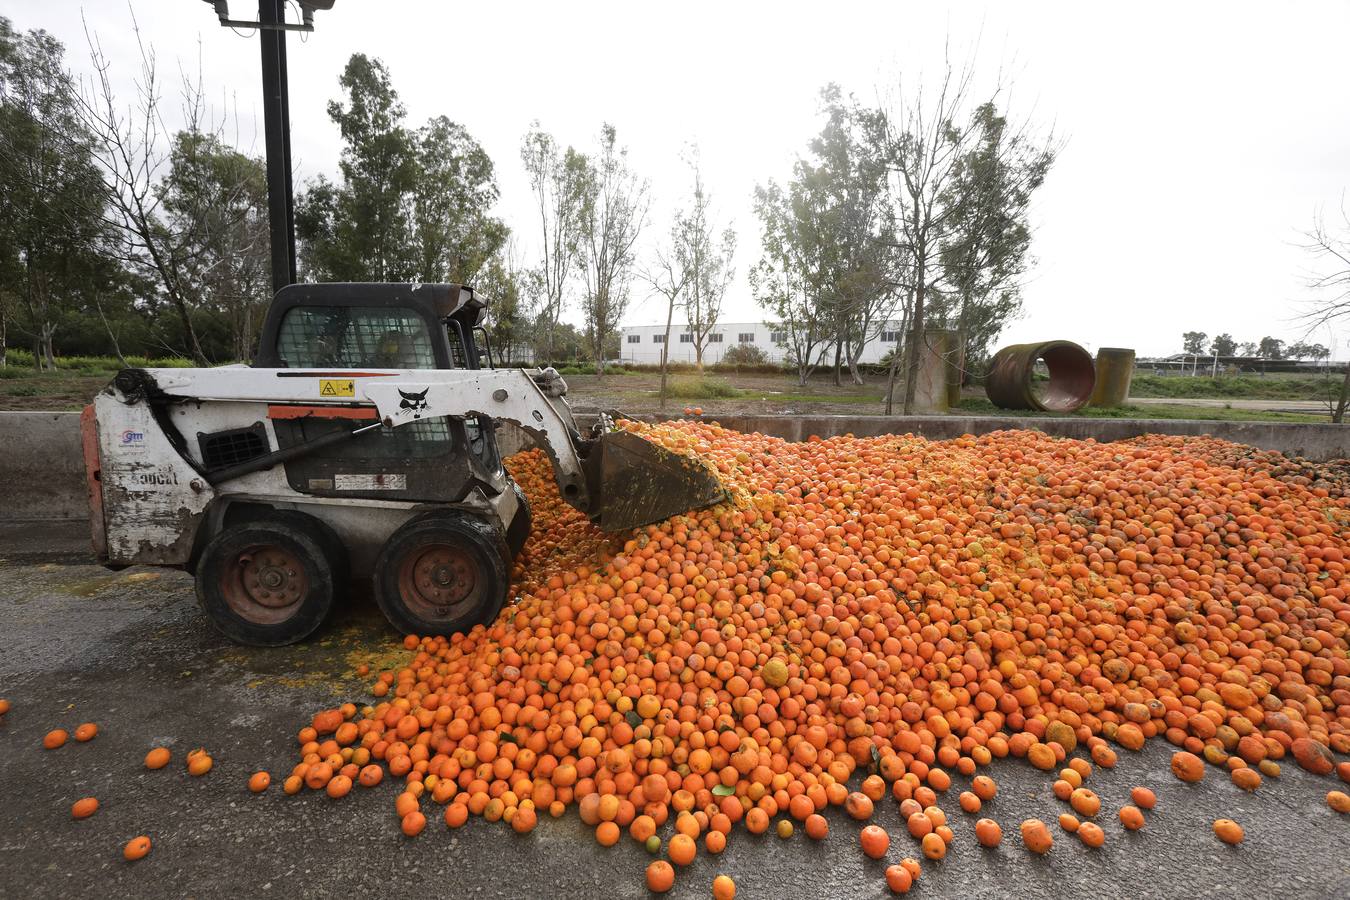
column 131, row 652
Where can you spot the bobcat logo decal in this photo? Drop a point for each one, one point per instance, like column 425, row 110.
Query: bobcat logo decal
column 414, row 402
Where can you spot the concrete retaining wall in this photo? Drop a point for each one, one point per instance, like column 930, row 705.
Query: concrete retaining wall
column 41, row 466
column 42, row 473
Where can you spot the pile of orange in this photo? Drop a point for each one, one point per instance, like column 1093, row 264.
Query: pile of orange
column 915, row 607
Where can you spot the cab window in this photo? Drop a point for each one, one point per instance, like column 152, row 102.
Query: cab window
column 320, row 337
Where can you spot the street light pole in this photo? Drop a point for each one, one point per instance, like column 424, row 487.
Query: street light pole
column 277, row 128
column 272, row 27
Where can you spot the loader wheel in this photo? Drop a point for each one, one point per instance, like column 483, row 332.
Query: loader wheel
column 441, row 574
column 265, row 582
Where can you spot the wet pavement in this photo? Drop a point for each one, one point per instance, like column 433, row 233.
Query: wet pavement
column 131, row 652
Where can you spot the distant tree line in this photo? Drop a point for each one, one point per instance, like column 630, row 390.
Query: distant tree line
column 1199, row 344
column 120, row 236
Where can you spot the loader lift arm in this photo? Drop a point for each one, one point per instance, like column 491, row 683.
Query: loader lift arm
column 618, row 479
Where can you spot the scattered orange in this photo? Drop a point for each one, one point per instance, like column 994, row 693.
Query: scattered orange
column 875, row 841
column 988, row 833
column 817, row 827
column 1036, row 837
column 54, row 738
column 157, row 758
column 1188, row 766
column 1131, row 818
column 660, row 876
column 259, row 782
column 898, row 879
column 1228, row 831
column 1091, row 834
column 1339, row 801
column 86, row 732
column 199, row 762
column 83, row 809
column 413, row 823
column 136, row 848
column 682, row 850
column 723, row 888
column 1143, row 798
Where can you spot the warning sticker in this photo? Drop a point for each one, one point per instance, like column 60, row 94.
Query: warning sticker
column 381, row 482
column 337, row 387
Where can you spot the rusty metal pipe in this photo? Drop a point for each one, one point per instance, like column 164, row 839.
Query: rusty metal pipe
column 1009, row 384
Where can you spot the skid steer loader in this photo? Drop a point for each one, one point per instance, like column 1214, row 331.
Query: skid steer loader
column 360, row 444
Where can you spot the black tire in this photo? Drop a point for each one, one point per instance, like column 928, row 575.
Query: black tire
column 519, row 530
column 266, row 582
column 440, row 574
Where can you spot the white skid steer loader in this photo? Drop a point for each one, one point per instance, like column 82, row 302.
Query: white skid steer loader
column 360, row 444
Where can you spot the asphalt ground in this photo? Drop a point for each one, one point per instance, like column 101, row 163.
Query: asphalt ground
column 131, row 652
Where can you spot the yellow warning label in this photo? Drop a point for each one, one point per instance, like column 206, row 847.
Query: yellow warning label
column 337, row 387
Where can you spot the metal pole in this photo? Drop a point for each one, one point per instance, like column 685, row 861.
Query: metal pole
column 276, row 123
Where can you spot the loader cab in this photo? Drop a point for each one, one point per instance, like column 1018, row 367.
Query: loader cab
column 354, row 326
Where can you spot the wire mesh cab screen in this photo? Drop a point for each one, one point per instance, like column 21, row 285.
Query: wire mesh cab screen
column 321, row 337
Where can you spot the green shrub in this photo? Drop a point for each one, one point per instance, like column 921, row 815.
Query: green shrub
column 701, row 389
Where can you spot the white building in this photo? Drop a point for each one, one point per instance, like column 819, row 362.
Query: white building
column 641, row 344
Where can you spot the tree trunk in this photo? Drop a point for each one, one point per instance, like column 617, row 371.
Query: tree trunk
column 4, row 322
column 1344, row 400
column 912, row 349
column 45, row 333
column 665, row 349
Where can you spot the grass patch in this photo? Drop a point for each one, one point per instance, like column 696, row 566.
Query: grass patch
column 1249, row 387
column 981, row 406
column 702, row 389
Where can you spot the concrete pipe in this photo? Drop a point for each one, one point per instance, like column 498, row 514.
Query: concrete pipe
column 1115, row 368
column 1010, row 384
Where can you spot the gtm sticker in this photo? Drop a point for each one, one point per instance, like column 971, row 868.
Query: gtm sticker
column 131, row 440
column 337, row 387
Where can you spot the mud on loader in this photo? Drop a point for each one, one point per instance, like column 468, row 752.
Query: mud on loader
column 360, row 444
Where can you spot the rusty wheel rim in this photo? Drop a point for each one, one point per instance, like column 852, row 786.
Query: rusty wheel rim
column 265, row 584
column 439, row 582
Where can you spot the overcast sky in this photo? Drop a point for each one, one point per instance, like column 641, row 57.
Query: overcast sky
column 1200, row 138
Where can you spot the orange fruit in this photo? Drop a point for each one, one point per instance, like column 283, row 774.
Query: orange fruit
column 55, row 738
column 682, row 850
column 715, row 842
column 136, row 848
column 1188, row 766
column 875, row 841
column 86, row 732
column 933, row 846
column 785, row 828
column 413, row 823
column 817, row 827
column 1143, row 798
column 1069, row 822
column 1131, row 818
column 83, row 809
column 859, row 806
column 1228, row 831
column 1036, row 837
column 157, row 758
column 1091, row 834
column 660, row 876
column 339, row 786
column 199, row 762
column 723, row 888
column 259, row 782
column 1339, row 801
column 988, row 833
column 898, row 879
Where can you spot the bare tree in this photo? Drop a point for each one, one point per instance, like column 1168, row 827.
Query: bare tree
column 707, row 265
column 924, row 136
column 131, row 148
column 1330, row 280
column 667, row 277
column 556, row 179
column 613, row 212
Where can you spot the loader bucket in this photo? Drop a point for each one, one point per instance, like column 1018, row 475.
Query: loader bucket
column 634, row 482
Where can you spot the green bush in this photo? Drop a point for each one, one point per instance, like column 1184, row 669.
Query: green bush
column 701, row 389
column 19, row 360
